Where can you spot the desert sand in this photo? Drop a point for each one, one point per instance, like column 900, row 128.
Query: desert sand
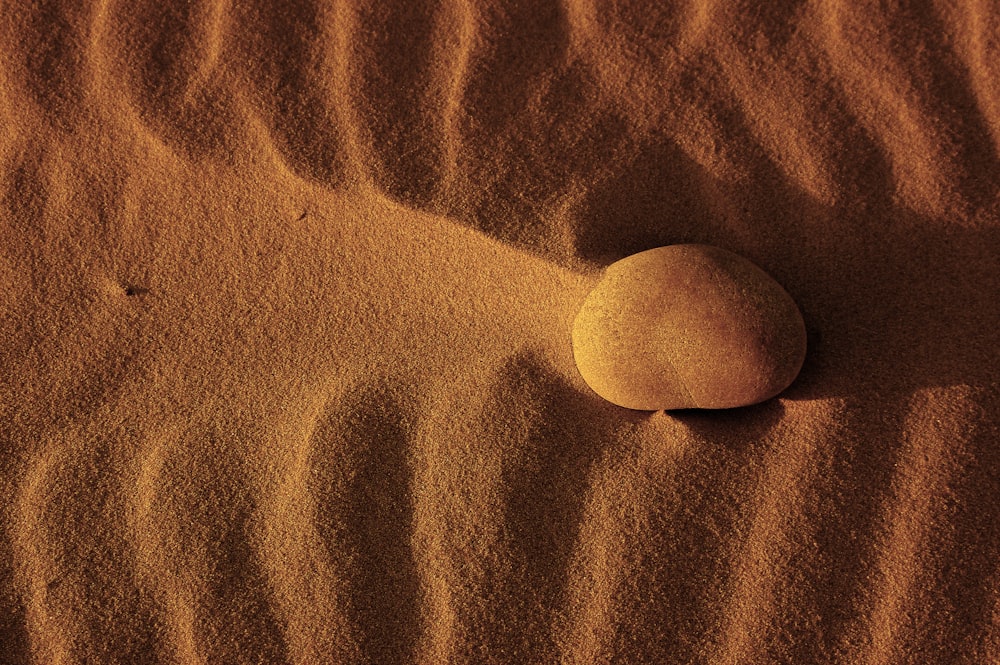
column 287, row 290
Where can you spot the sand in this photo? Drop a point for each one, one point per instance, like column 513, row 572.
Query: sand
column 287, row 291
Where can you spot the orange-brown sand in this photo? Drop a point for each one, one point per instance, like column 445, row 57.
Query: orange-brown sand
column 287, row 290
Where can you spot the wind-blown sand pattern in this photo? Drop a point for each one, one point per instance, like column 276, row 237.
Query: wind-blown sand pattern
column 287, row 291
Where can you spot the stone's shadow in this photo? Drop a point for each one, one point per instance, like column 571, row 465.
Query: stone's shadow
column 659, row 200
column 734, row 428
column 893, row 301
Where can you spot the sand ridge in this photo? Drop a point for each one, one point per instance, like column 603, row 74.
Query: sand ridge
column 287, row 291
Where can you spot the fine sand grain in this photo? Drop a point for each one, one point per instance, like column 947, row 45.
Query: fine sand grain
column 286, row 293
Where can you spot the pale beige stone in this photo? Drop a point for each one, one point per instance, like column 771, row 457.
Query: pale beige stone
column 688, row 326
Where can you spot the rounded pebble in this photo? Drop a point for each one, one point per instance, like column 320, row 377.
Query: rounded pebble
column 688, row 326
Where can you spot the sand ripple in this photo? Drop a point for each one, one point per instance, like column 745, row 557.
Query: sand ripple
column 286, row 300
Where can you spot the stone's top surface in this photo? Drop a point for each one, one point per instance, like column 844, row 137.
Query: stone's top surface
column 688, row 326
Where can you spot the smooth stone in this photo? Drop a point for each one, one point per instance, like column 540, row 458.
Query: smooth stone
column 688, row 326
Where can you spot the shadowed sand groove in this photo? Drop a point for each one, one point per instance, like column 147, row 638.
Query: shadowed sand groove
column 47, row 639
column 121, row 621
column 171, row 58
column 453, row 562
column 924, row 474
column 153, row 567
column 889, row 107
column 50, row 58
column 645, row 47
column 508, row 189
column 313, row 598
column 399, row 95
column 645, row 460
column 218, row 602
column 14, row 633
column 286, row 292
column 759, row 621
column 671, row 610
column 361, row 477
column 443, row 456
column 235, row 613
column 533, row 421
column 295, row 61
column 505, row 586
column 775, row 108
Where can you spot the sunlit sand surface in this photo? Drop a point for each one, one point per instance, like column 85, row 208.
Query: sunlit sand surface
column 286, row 299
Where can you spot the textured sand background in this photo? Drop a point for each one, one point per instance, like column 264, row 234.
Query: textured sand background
column 285, row 373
